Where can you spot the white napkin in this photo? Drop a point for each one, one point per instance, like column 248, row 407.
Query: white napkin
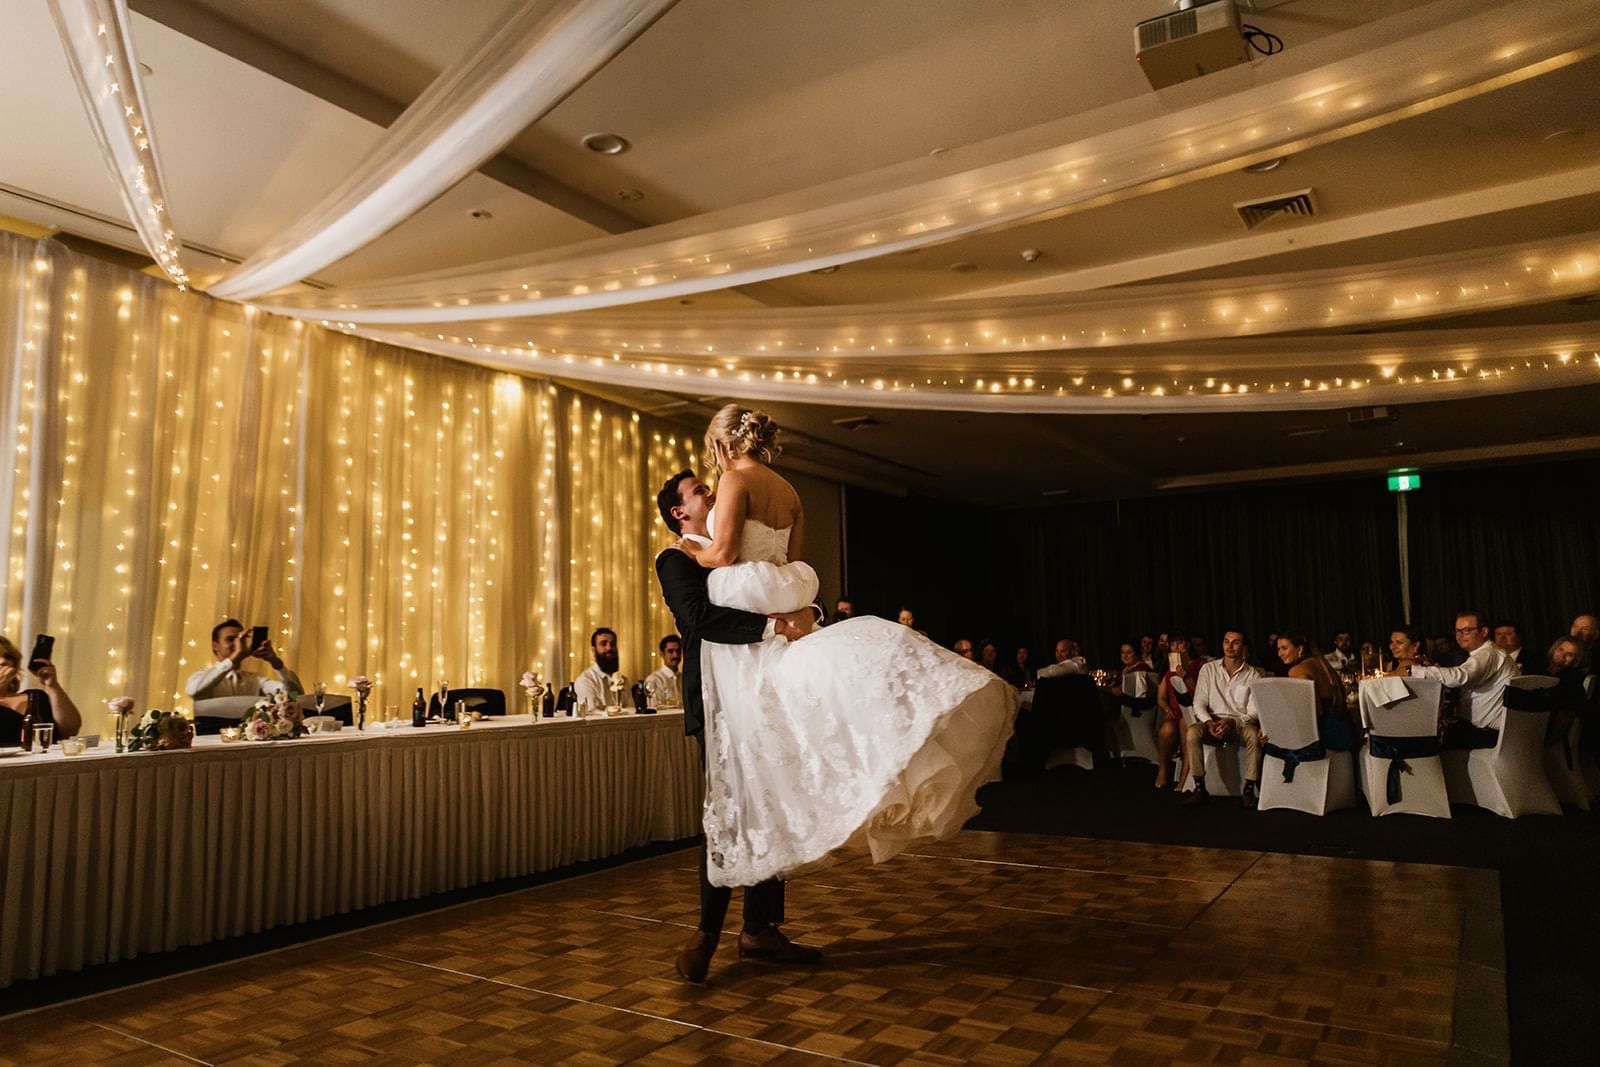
column 1388, row 689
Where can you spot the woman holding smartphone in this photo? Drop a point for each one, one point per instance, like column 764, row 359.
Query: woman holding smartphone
column 49, row 704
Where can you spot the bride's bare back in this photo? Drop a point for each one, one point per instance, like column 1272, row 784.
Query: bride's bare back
column 751, row 490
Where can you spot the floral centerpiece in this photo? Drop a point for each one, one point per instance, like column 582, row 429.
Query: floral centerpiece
column 534, row 686
column 275, row 717
column 160, row 730
column 363, row 688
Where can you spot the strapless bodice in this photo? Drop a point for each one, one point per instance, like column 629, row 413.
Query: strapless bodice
column 760, row 543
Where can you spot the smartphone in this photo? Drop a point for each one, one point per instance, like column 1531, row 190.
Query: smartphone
column 258, row 636
column 1175, row 661
column 43, row 647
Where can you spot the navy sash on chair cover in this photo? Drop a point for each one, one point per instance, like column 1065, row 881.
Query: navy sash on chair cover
column 1184, row 699
column 1397, row 750
column 1137, row 705
column 1293, row 757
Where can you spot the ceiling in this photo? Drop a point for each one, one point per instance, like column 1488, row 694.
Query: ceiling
column 263, row 105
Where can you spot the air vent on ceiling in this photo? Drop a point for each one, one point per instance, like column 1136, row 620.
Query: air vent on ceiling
column 1308, row 430
column 1370, row 416
column 1287, row 205
column 857, row 422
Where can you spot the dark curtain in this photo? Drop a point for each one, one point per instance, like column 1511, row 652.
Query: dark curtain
column 1522, row 542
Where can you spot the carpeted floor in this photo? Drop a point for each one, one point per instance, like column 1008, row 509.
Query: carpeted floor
column 1549, row 871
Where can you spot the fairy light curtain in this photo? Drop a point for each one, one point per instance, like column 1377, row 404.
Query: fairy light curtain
column 172, row 460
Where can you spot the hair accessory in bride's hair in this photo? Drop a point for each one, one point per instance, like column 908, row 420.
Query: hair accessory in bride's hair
column 747, row 422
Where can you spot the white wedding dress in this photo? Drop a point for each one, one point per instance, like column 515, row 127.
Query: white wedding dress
column 864, row 737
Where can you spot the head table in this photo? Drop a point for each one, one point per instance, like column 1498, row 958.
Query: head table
column 106, row 856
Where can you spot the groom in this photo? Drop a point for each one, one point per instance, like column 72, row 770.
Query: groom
column 684, row 502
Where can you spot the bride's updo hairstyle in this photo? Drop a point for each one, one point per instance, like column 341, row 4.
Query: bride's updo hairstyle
column 740, row 431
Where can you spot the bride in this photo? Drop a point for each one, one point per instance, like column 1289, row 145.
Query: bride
column 862, row 737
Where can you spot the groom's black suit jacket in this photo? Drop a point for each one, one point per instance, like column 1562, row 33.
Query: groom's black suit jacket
column 683, row 585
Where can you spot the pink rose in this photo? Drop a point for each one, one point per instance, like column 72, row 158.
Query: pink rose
column 120, row 705
column 258, row 730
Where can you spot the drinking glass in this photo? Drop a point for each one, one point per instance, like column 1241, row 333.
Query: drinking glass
column 391, row 712
column 444, row 699
column 322, row 695
column 42, row 735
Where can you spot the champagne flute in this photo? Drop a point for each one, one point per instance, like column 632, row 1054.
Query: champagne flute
column 444, row 700
column 322, row 695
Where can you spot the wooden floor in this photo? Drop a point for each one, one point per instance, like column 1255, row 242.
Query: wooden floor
column 990, row 949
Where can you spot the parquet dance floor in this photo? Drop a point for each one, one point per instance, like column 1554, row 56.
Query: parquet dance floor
column 990, row 949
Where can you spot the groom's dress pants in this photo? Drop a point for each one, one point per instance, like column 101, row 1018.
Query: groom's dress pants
column 763, row 904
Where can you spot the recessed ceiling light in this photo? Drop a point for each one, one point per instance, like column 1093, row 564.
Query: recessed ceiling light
column 630, row 194
column 834, row 269
column 964, row 267
column 606, row 144
column 147, row 70
column 940, row 153
column 481, row 214
column 1265, row 165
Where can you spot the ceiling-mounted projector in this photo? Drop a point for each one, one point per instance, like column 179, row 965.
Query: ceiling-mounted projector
column 1200, row 39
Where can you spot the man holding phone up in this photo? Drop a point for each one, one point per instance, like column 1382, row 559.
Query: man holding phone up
column 232, row 645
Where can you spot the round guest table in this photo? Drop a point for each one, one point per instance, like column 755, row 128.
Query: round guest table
column 104, row 856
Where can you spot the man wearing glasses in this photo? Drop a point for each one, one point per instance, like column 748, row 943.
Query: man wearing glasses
column 1480, row 685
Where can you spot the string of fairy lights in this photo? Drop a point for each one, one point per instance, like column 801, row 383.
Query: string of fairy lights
column 387, row 512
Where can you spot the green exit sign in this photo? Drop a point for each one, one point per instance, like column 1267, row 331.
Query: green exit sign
column 1405, row 479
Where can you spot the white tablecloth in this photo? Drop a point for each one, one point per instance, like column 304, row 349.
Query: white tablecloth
column 104, row 857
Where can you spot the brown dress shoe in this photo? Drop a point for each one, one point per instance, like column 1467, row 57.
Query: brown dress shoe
column 1250, row 797
column 695, row 959
column 770, row 944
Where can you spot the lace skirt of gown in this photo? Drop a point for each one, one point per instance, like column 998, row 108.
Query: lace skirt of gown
column 865, row 737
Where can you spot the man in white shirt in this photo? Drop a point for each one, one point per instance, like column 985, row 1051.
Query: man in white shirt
column 663, row 681
column 1222, row 714
column 230, row 644
column 1480, row 685
column 1068, row 661
column 593, row 687
column 1344, row 651
column 1508, row 639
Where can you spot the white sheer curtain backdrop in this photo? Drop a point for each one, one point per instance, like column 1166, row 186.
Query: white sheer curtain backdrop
column 171, row 460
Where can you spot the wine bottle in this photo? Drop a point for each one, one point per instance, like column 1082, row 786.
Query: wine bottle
column 419, row 710
column 27, row 726
column 549, row 702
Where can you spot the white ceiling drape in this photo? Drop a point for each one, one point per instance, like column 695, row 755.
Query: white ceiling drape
column 97, row 37
column 1391, row 69
column 526, row 65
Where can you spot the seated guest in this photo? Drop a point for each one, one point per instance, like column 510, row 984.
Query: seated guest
column 1343, row 656
column 1335, row 728
column 989, row 655
column 1198, row 649
column 593, row 687
column 1442, row 651
column 1369, row 654
column 1405, row 650
column 1568, row 663
column 1175, row 692
column 1586, row 628
column 1147, row 652
column 1163, row 648
column 843, row 609
column 963, row 648
column 662, row 683
column 1508, row 639
column 46, row 705
column 1016, row 672
column 1272, row 664
column 230, row 644
column 1067, row 660
column 1480, row 685
column 907, row 618
column 1130, row 662
column 1222, row 714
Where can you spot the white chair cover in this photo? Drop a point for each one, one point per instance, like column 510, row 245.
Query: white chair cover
column 1422, row 790
column 1508, row 779
column 1571, row 783
column 1136, row 733
column 1288, row 715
